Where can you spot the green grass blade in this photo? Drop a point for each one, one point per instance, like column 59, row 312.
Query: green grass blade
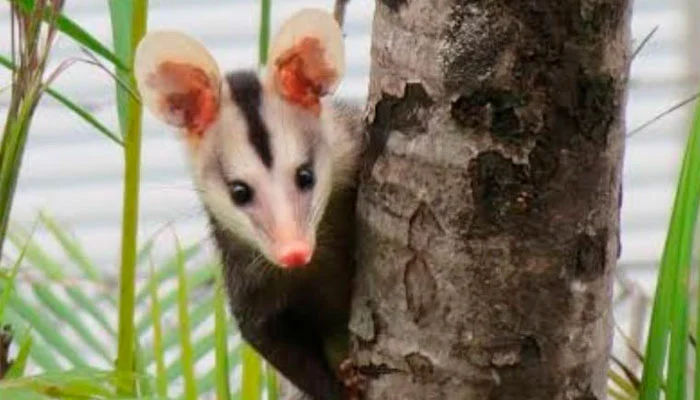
column 616, row 395
column 159, row 354
column 272, row 384
column 121, row 16
column 68, row 315
column 670, row 303
column 170, row 299
column 629, row 374
column 85, row 115
column 184, row 329
column 132, row 171
column 9, row 285
column 690, row 195
column 252, row 376
column 41, row 355
column 223, row 390
column 145, row 251
column 207, row 381
column 145, row 386
column 167, row 270
column 20, row 362
column 622, row 383
column 12, row 146
column 77, row 33
column 51, row 268
column 71, row 105
column 695, row 133
column 171, row 337
column 83, row 383
column 203, row 346
column 264, row 34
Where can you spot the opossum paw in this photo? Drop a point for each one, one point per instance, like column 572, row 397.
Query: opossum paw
column 355, row 382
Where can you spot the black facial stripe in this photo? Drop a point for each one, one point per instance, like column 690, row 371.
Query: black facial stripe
column 246, row 93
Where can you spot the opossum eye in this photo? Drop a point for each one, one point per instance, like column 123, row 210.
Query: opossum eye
column 305, row 178
column 241, row 193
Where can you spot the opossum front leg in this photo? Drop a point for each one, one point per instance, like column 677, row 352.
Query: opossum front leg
column 296, row 351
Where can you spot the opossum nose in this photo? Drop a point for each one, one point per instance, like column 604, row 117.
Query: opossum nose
column 294, row 254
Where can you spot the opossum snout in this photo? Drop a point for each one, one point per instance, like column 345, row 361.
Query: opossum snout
column 291, row 248
column 294, row 254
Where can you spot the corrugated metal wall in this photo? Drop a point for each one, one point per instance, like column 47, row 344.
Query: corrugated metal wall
column 75, row 174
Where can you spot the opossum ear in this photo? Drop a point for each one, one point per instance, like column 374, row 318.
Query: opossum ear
column 306, row 59
column 178, row 80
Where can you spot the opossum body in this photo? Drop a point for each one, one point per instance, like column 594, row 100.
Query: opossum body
column 275, row 164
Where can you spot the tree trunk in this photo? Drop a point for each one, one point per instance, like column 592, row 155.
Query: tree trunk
column 489, row 209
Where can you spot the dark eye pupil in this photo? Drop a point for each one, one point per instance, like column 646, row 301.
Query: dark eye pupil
column 241, row 193
column 305, row 177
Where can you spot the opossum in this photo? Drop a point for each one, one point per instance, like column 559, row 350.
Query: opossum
column 275, row 162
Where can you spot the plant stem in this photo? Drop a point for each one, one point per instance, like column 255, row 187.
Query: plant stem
column 264, row 34
column 252, row 368
column 159, row 353
column 272, row 385
column 223, row 391
column 695, row 133
column 187, row 352
column 132, row 170
column 11, row 152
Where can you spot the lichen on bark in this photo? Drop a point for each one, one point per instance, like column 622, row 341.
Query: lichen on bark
column 489, row 205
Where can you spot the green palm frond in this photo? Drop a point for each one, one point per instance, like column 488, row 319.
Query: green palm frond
column 71, row 310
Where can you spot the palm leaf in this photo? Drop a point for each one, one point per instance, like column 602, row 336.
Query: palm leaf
column 197, row 316
column 168, row 269
column 71, row 247
column 85, row 383
column 46, row 329
column 54, row 300
column 66, row 314
column 207, row 381
column 196, row 278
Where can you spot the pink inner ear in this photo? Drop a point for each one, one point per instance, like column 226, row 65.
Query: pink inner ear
column 303, row 75
column 187, row 96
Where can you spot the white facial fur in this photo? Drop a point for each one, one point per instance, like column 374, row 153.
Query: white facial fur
column 279, row 209
column 180, row 83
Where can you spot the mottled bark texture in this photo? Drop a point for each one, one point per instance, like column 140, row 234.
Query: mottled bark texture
column 489, row 208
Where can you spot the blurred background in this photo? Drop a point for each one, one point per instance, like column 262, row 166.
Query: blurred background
column 73, row 173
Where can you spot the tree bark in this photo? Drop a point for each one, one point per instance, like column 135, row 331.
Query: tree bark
column 489, row 208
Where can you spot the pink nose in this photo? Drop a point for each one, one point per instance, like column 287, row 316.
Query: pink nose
column 294, row 254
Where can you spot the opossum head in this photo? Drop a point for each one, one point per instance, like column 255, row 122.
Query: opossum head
column 266, row 152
